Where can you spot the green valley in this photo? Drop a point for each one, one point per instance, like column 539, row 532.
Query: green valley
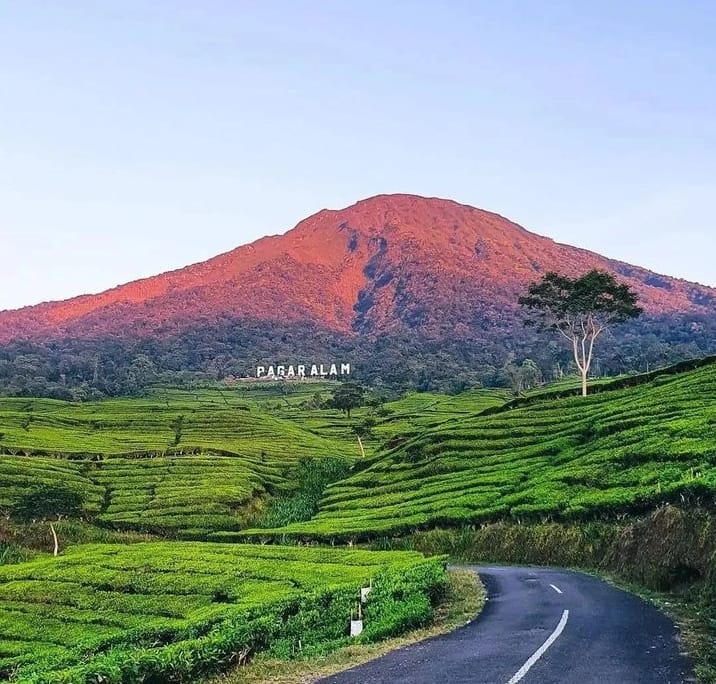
column 189, row 464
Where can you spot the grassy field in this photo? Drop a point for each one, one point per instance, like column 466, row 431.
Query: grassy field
column 614, row 453
column 171, row 611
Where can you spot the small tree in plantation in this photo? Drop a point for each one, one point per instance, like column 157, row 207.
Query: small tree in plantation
column 521, row 378
column 48, row 503
column 348, row 397
column 580, row 309
column 364, row 430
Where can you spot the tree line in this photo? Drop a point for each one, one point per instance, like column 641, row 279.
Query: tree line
column 82, row 370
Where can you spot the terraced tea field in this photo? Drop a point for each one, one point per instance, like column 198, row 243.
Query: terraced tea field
column 168, row 421
column 187, row 496
column 174, row 611
column 617, row 452
column 18, row 475
column 175, row 463
column 186, row 464
column 417, row 410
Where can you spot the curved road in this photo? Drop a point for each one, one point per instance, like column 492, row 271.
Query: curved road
column 542, row 626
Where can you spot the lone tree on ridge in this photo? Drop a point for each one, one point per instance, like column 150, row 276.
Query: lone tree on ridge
column 580, row 309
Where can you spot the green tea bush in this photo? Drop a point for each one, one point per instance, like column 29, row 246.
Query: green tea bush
column 399, row 601
column 173, row 612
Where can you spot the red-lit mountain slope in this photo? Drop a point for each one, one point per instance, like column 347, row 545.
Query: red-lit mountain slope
column 392, row 261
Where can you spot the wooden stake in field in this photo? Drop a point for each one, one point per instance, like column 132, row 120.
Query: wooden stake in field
column 56, row 550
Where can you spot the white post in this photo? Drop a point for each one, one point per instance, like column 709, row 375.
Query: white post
column 357, row 625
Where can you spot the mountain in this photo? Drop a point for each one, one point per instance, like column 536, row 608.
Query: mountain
column 387, row 262
column 431, row 273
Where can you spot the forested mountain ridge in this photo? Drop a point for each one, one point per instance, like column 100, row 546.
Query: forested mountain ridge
column 387, row 262
column 411, row 290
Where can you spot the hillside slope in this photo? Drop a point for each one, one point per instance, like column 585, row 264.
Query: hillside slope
column 384, row 263
column 615, row 453
column 177, row 463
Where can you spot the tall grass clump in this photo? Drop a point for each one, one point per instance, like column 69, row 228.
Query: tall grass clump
column 309, row 481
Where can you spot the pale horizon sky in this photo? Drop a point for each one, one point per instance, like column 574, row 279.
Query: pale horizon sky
column 140, row 137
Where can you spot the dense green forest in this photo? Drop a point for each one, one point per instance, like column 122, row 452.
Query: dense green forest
column 82, row 370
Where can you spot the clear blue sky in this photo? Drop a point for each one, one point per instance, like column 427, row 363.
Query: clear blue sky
column 140, row 136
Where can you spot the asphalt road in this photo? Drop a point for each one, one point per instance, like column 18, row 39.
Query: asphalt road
column 542, row 626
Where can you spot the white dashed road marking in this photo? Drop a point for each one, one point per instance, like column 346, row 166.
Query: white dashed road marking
column 541, row 650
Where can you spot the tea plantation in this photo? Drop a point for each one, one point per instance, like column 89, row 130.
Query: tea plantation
column 615, row 453
column 174, row 611
column 189, row 464
column 168, row 421
column 175, row 463
column 206, row 465
column 414, row 411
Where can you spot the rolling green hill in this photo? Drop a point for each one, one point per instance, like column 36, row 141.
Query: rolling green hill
column 167, row 421
column 188, row 464
column 614, row 453
column 174, row 463
column 414, row 411
column 250, row 419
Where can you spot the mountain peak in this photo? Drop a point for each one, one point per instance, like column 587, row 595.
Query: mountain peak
column 394, row 261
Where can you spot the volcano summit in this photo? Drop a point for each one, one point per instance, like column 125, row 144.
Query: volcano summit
column 421, row 281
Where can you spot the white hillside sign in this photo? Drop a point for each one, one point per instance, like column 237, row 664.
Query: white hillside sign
column 302, row 370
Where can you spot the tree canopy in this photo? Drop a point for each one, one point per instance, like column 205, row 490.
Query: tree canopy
column 522, row 377
column 348, row 397
column 580, row 309
column 91, row 369
column 48, row 502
